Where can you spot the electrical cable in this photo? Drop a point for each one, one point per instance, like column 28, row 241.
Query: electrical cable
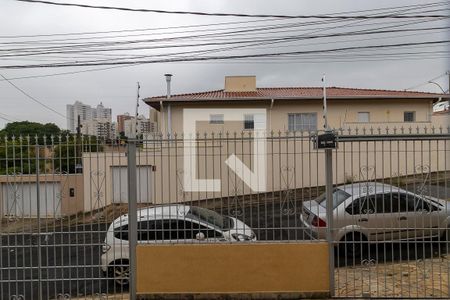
column 234, row 14
column 32, row 98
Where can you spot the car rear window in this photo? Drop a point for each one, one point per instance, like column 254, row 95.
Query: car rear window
column 339, row 196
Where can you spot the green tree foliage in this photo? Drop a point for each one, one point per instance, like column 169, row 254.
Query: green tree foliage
column 32, row 129
column 68, row 154
column 17, row 157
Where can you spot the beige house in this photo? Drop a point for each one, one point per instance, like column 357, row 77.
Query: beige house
column 299, row 108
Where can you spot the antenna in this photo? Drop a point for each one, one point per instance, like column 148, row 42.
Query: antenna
column 137, row 110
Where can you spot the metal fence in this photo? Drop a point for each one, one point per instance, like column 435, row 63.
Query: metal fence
column 66, row 232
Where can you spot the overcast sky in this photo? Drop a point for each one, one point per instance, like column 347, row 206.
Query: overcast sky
column 116, row 88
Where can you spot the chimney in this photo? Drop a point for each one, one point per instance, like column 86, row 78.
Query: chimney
column 240, row 83
column 168, row 79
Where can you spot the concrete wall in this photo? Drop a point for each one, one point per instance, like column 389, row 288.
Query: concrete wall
column 98, row 176
column 300, row 268
column 291, row 163
column 71, row 190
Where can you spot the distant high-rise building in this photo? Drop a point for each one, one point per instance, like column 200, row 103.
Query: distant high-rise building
column 86, row 113
column 102, row 128
column 144, row 126
column 121, row 122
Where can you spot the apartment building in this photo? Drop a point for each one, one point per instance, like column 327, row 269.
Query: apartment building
column 86, row 113
column 297, row 108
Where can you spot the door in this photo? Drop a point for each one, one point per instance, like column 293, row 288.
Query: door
column 423, row 218
column 372, row 213
column 120, row 184
column 20, row 199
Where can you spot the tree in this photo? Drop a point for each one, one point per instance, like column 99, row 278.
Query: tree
column 17, row 157
column 68, row 154
column 32, row 129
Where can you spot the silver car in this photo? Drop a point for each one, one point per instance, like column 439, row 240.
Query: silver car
column 168, row 224
column 375, row 212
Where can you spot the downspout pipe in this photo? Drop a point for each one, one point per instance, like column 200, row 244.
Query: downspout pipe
column 272, row 101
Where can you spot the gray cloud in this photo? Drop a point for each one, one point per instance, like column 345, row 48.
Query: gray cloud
column 116, row 88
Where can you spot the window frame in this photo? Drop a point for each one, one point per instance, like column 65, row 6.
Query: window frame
column 302, row 124
column 248, row 121
column 360, row 113
column 218, row 121
column 413, row 113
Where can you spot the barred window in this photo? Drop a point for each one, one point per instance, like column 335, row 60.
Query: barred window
column 249, row 121
column 302, row 122
column 409, row 116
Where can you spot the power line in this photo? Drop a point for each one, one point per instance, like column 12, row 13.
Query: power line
column 85, row 48
column 404, row 9
column 5, row 118
column 183, row 59
column 9, row 117
column 236, row 14
column 32, row 98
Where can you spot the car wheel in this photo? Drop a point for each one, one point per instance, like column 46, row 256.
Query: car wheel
column 120, row 272
column 353, row 244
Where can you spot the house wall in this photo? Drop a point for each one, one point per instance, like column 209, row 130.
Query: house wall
column 68, row 204
column 98, row 178
column 341, row 113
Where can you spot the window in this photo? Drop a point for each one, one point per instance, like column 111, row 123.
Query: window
column 249, row 121
column 169, row 229
column 209, row 216
column 216, row 119
column 192, row 228
column 121, row 233
column 409, row 116
column 361, row 206
column 364, row 117
column 402, row 202
column 339, row 196
column 302, row 122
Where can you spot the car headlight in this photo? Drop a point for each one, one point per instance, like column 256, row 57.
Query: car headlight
column 241, row 237
column 105, row 248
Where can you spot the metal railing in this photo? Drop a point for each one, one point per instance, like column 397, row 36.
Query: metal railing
column 66, row 231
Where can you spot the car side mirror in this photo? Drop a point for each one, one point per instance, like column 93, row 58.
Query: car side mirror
column 200, row 236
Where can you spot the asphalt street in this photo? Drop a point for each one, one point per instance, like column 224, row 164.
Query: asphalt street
column 70, row 257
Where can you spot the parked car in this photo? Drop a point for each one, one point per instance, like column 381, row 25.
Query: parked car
column 373, row 212
column 168, row 224
column 441, row 106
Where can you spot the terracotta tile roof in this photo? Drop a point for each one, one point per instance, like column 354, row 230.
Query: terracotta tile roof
column 296, row 92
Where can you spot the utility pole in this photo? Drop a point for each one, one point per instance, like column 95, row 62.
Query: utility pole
column 137, row 111
column 78, row 152
column 325, row 117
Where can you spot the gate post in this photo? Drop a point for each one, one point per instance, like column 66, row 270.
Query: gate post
column 329, row 197
column 132, row 215
column 38, row 211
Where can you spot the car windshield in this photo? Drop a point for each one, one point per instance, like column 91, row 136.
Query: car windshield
column 339, row 196
column 213, row 218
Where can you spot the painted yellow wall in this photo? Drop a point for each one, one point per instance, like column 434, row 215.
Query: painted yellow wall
column 341, row 113
column 232, row 268
column 240, row 83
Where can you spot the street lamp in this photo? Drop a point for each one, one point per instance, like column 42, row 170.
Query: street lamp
column 443, row 92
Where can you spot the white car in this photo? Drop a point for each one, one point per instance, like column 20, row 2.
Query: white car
column 168, row 224
column 441, row 106
column 374, row 212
